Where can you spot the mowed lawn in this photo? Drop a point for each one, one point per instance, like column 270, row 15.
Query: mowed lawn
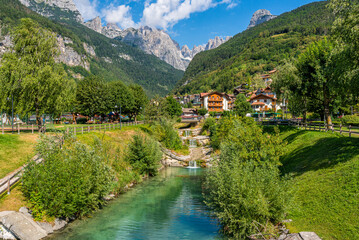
column 15, row 150
column 325, row 185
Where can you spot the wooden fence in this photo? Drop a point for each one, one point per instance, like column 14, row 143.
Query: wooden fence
column 7, row 182
column 18, row 128
column 339, row 128
column 14, row 177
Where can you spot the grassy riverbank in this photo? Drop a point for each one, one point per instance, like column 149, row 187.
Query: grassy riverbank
column 325, row 185
column 15, row 150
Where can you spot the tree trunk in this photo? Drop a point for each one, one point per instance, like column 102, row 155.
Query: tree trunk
column 74, row 118
column 305, row 111
column 328, row 118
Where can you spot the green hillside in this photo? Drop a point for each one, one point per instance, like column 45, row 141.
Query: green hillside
column 156, row 76
column 325, row 183
column 256, row 50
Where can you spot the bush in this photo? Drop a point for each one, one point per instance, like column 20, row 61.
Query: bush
column 144, row 154
column 240, row 194
column 81, row 120
column 71, row 181
column 244, row 186
column 208, row 123
column 350, row 119
column 166, row 134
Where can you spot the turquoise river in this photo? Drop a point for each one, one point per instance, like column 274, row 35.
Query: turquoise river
column 168, row 206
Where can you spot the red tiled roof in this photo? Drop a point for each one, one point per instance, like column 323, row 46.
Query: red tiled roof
column 258, row 103
column 262, row 96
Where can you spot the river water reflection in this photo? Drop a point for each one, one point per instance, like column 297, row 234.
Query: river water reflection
column 169, row 206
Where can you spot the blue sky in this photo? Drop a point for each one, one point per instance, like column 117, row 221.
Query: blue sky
column 190, row 22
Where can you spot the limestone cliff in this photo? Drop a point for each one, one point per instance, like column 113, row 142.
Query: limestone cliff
column 260, row 16
column 56, row 9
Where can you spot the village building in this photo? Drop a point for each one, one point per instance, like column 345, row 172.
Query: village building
column 267, row 78
column 189, row 114
column 217, row 102
column 241, row 89
column 264, row 100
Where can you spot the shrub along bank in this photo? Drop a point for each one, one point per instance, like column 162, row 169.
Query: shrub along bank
column 316, row 184
column 75, row 176
column 244, row 188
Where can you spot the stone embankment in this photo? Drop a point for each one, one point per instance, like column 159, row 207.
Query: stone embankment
column 200, row 151
column 21, row 225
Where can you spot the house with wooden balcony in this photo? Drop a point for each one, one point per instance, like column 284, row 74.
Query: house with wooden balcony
column 264, row 100
column 217, row 102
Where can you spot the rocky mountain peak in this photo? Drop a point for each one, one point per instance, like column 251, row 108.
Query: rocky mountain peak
column 95, row 24
column 214, row 43
column 260, row 16
column 47, row 8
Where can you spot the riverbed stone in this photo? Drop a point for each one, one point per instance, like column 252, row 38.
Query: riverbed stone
column 46, row 226
column 25, row 211
column 293, row 236
column 59, row 224
column 5, row 234
column 309, row 236
column 21, row 226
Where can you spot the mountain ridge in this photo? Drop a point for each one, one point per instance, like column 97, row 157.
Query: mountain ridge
column 154, row 41
column 88, row 52
column 256, row 50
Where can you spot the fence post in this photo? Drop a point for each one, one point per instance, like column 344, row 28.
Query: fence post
column 82, row 128
column 341, row 129
column 18, row 128
column 350, row 130
column 32, row 128
column 88, row 128
column 333, row 128
column 74, row 131
column 8, row 186
column 2, row 124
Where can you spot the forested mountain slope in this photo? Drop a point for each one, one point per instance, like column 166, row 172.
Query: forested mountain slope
column 108, row 58
column 256, row 50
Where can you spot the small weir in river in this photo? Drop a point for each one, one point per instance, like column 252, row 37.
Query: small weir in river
column 192, row 143
column 192, row 164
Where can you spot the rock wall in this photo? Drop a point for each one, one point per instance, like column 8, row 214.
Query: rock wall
column 70, row 57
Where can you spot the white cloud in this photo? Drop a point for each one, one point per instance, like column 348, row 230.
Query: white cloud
column 232, row 5
column 157, row 13
column 166, row 13
column 87, row 8
column 120, row 15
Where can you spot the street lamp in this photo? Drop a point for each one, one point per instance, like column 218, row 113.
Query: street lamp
column 12, row 112
column 119, row 116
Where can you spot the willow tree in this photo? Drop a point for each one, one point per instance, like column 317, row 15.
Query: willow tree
column 30, row 74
